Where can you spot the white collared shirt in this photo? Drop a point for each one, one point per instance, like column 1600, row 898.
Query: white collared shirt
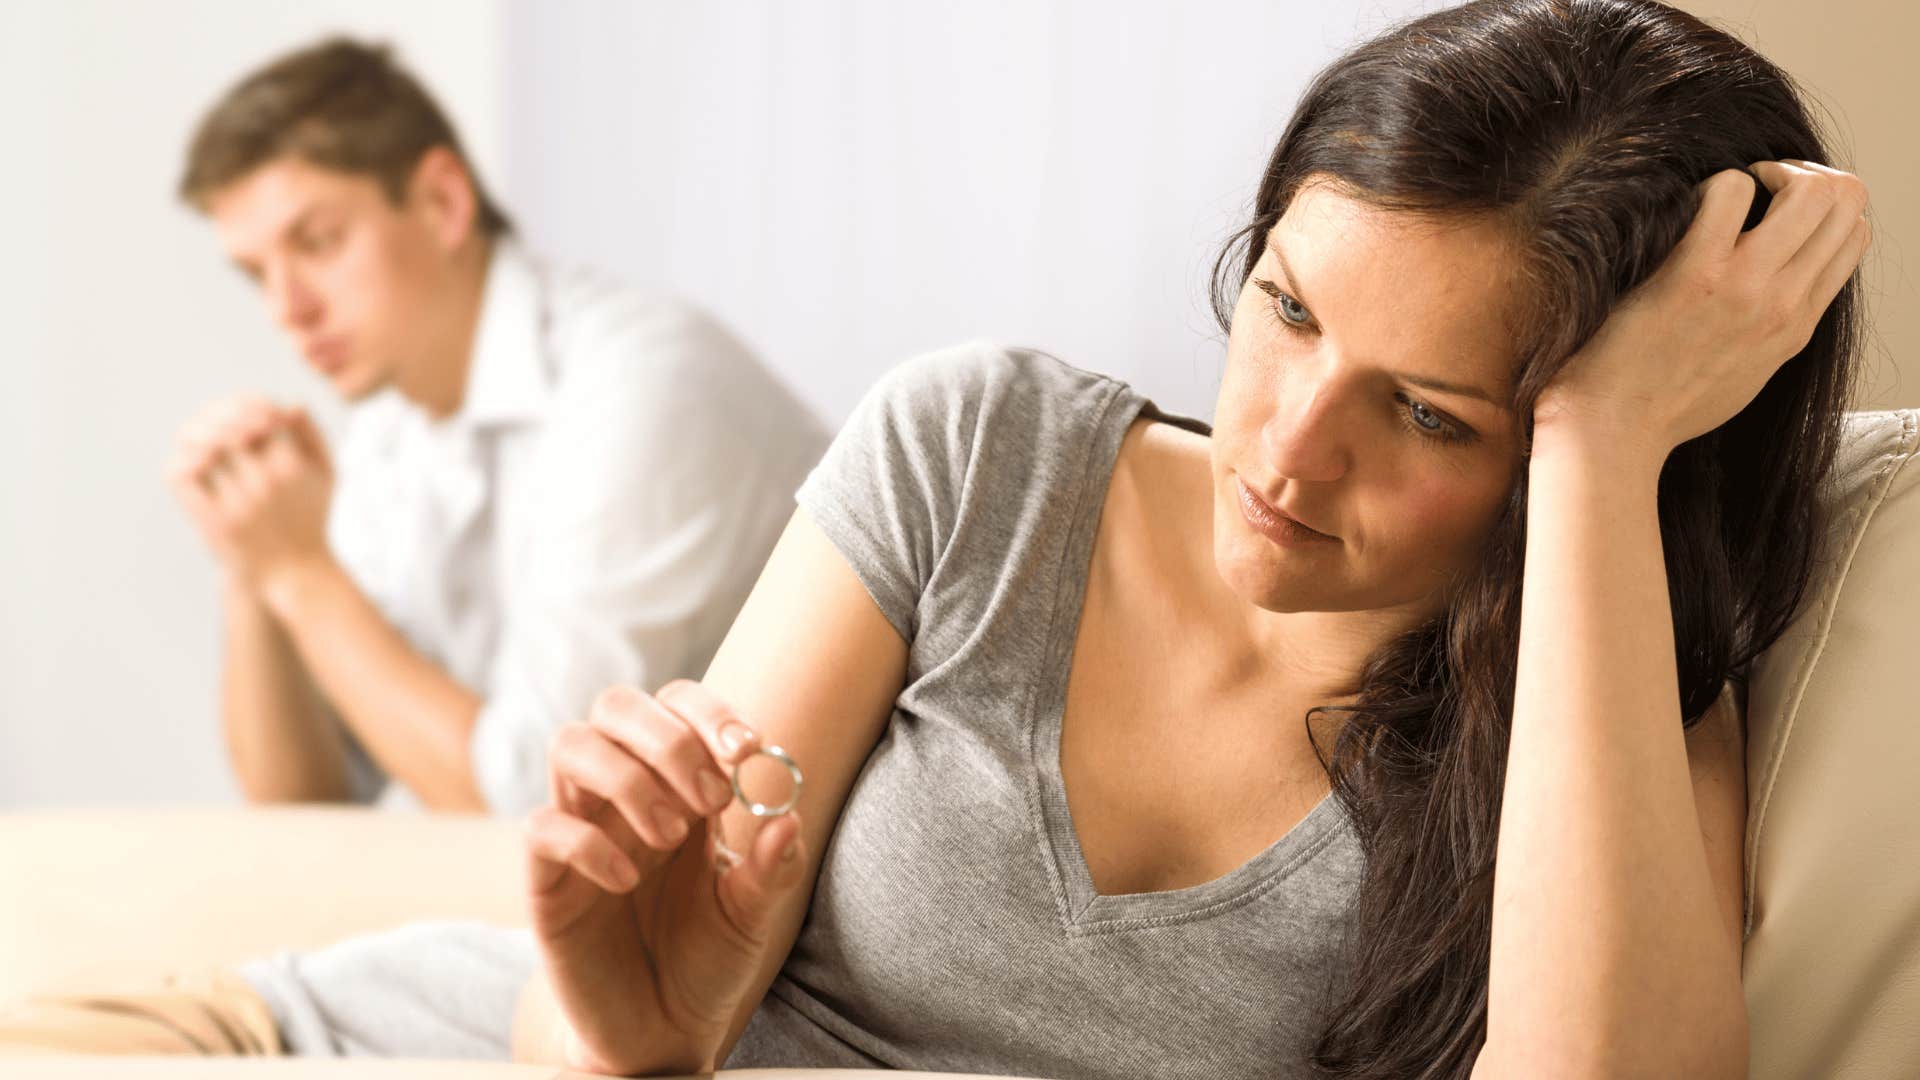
column 595, row 512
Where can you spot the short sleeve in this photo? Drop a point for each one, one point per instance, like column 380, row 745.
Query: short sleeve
column 891, row 489
column 885, row 492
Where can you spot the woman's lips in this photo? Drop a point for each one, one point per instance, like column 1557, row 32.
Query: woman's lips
column 1274, row 525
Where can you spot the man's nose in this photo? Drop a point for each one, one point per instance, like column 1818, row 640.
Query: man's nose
column 291, row 302
column 1307, row 437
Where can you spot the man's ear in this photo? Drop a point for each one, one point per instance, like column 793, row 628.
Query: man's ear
column 441, row 190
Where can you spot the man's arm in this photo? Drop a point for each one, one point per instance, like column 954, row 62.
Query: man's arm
column 413, row 718
column 258, row 482
column 283, row 746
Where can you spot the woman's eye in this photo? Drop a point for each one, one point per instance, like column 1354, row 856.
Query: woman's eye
column 1284, row 306
column 1421, row 415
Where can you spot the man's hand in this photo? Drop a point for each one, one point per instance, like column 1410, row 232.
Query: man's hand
column 256, row 479
column 257, row 482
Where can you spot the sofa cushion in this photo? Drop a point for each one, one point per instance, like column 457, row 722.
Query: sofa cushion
column 125, row 895
column 1832, row 961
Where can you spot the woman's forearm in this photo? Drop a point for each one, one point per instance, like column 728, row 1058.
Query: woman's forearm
column 1609, row 956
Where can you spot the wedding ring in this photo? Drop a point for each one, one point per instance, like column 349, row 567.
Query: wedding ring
column 724, row 857
column 762, row 809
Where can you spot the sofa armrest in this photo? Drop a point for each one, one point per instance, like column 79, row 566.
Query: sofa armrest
column 92, row 897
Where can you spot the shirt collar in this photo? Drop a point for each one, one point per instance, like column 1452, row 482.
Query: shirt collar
column 507, row 377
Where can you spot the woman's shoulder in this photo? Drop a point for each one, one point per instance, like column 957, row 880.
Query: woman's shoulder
column 970, row 445
column 963, row 399
column 984, row 370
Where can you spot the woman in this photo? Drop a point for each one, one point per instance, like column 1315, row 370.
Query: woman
column 1140, row 746
column 1549, row 425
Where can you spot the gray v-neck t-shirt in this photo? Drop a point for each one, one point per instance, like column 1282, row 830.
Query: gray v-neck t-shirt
column 954, row 926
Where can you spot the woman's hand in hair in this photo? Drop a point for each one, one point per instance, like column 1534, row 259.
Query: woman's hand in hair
column 1694, row 343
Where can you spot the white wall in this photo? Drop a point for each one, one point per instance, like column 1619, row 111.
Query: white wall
column 120, row 317
column 851, row 182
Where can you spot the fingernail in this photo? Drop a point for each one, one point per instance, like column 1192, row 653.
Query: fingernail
column 715, row 790
column 669, row 824
column 734, row 736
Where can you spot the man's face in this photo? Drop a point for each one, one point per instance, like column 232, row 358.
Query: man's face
column 1332, row 408
column 339, row 266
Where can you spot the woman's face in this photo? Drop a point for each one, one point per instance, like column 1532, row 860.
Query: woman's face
column 1333, row 408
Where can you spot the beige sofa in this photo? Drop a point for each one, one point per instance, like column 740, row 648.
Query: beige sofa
column 93, row 898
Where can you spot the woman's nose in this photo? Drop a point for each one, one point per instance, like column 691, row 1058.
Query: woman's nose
column 1306, row 439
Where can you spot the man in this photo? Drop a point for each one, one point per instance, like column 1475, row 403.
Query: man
column 548, row 484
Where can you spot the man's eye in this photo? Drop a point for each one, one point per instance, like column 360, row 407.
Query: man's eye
column 320, row 241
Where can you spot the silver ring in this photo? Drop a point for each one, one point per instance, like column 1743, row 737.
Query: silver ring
column 762, row 809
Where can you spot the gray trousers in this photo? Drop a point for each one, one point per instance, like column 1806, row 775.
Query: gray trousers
column 444, row 989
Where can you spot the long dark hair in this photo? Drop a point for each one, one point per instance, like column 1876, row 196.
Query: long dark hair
column 1581, row 127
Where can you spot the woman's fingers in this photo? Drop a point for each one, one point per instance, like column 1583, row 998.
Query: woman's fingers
column 1830, row 244
column 587, row 758
column 728, row 737
column 1801, row 199
column 1810, row 240
column 669, row 743
column 1725, row 198
column 750, row 891
column 1841, row 265
column 633, row 782
column 606, row 817
column 1836, row 232
column 558, row 842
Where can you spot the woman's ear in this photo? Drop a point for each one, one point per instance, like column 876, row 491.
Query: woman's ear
column 441, row 190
